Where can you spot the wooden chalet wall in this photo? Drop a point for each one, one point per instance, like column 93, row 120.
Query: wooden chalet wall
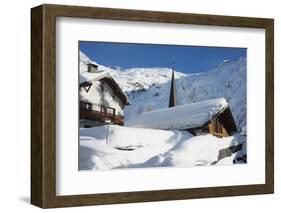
column 216, row 127
column 222, row 125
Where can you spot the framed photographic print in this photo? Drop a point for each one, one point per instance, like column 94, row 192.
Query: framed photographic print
column 136, row 106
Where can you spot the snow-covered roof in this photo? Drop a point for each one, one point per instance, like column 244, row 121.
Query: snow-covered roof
column 86, row 76
column 179, row 117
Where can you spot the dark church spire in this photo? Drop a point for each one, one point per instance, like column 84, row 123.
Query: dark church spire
column 172, row 101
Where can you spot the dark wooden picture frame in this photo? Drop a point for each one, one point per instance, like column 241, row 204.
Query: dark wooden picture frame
column 43, row 105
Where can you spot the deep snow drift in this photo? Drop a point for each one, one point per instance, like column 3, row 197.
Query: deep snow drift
column 126, row 147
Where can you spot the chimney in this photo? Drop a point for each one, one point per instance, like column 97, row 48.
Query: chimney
column 92, row 68
column 172, row 101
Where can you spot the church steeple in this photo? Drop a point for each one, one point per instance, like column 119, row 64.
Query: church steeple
column 172, row 101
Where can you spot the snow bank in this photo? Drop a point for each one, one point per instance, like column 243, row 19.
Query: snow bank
column 127, row 147
column 124, row 136
column 197, row 151
column 179, row 117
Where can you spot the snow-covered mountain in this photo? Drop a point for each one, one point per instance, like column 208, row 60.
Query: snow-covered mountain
column 148, row 88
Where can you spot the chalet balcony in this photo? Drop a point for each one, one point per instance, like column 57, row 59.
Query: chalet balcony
column 104, row 114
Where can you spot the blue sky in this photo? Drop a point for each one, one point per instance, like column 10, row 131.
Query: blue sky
column 189, row 59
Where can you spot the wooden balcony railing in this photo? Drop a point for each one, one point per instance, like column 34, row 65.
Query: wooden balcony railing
column 100, row 116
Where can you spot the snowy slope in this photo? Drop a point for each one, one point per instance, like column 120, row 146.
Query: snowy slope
column 148, row 88
column 127, row 147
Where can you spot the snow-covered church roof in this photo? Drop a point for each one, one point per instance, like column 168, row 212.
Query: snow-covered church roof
column 180, row 117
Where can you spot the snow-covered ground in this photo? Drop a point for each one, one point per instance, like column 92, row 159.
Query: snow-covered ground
column 114, row 147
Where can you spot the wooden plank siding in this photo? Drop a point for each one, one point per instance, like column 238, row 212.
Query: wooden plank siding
column 217, row 128
column 222, row 125
column 101, row 117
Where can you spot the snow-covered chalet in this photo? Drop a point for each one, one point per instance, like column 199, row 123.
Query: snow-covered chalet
column 101, row 98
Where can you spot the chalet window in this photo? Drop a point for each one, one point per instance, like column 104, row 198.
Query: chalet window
column 103, row 110
column 110, row 111
column 86, row 86
column 88, row 106
column 107, row 112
